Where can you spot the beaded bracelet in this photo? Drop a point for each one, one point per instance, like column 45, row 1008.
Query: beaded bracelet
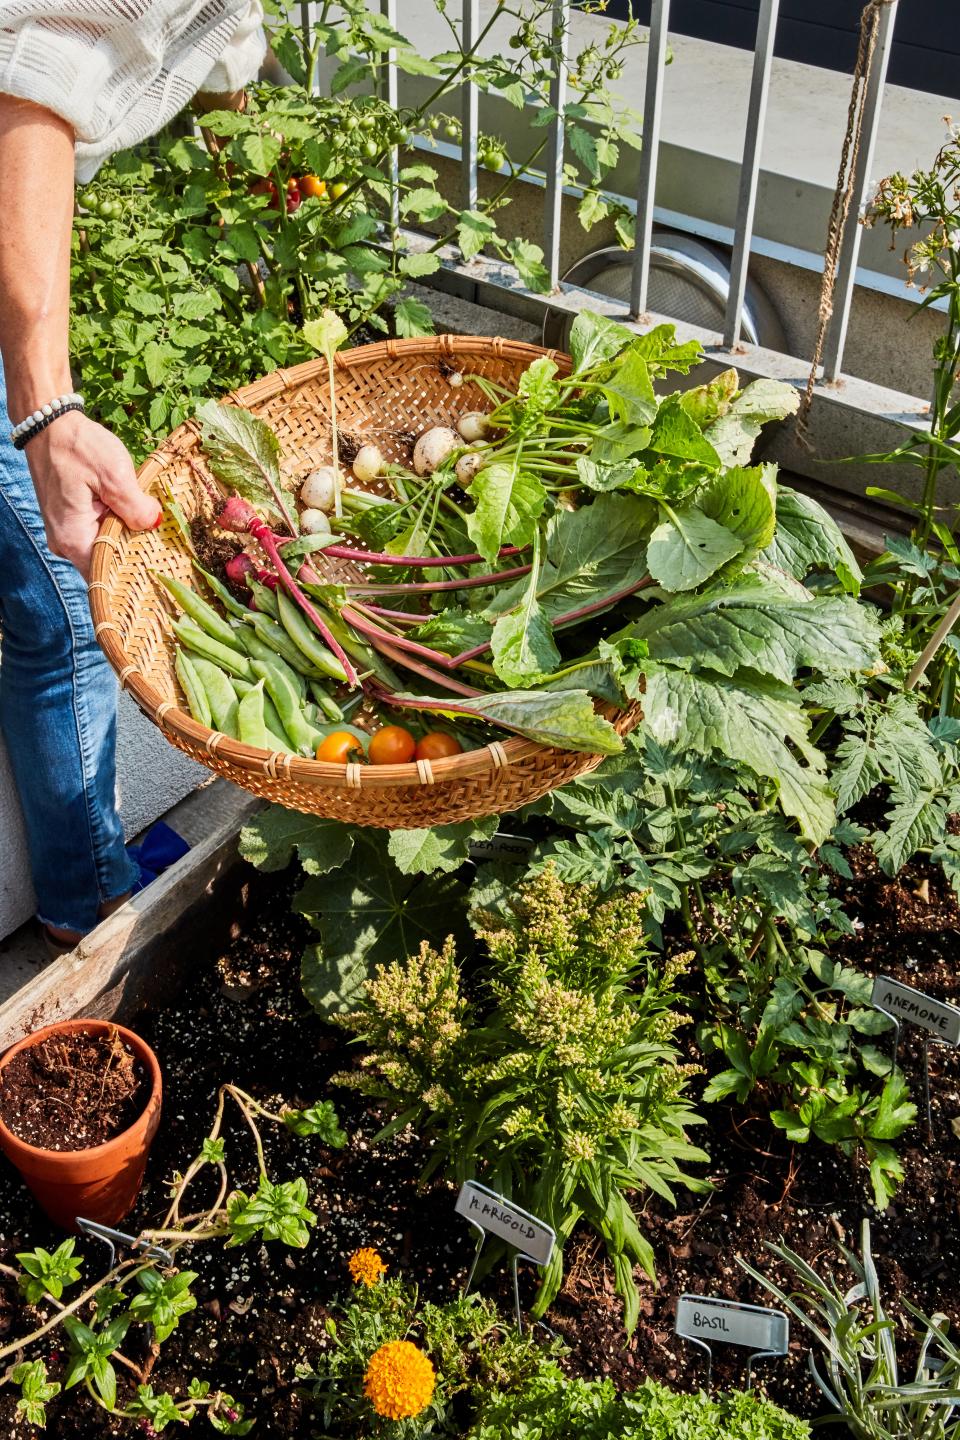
column 24, row 432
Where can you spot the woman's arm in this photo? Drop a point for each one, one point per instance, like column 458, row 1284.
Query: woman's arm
column 79, row 469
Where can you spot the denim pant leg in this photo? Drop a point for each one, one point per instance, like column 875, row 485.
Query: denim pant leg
column 58, row 700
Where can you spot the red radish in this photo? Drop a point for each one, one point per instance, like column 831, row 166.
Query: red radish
column 240, row 517
column 239, row 567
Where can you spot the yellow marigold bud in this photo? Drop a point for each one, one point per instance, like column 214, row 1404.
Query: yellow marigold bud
column 399, row 1381
column 366, row 1267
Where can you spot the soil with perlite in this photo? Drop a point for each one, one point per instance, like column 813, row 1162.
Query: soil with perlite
column 72, row 1091
column 262, row 1308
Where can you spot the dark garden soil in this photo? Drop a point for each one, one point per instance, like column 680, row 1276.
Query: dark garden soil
column 72, row 1091
column 262, row 1309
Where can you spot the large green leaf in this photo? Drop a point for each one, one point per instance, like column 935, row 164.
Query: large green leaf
column 676, row 433
column 565, row 718
column 508, row 503
column 757, row 721
column 592, row 554
column 244, row 454
column 271, row 837
column 744, row 500
column 372, row 915
column 808, row 538
column 522, row 642
column 758, row 625
column 734, row 433
column 594, row 338
column 443, row 848
column 689, row 547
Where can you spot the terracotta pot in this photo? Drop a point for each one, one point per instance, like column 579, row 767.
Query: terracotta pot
column 100, row 1183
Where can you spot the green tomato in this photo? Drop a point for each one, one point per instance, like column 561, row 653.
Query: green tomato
column 370, row 149
column 111, row 210
column 368, row 122
column 351, row 122
column 492, row 159
column 434, row 122
column 452, row 132
column 337, row 189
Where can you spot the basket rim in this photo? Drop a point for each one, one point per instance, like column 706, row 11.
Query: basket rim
column 170, row 717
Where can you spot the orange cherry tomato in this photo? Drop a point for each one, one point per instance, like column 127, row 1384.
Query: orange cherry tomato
column 312, row 185
column 340, row 748
column 391, row 745
column 437, row 746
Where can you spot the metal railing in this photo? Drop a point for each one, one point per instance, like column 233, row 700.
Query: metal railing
column 487, row 275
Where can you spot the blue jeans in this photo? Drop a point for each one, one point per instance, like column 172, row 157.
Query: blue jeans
column 58, row 713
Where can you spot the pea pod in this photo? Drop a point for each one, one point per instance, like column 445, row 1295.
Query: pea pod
column 326, row 702
column 306, row 639
column 226, row 596
column 302, row 735
column 252, row 722
column 197, row 608
column 365, row 656
column 279, row 641
column 270, row 717
column 265, row 597
column 221, row 696
column 258, row 649
column 197, row 640
column 192, row 687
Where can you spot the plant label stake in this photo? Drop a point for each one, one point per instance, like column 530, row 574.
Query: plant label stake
column 706, row 1321
column 512, row 849
column 493, row 1214
column 936, row 1018
column 112, row 1238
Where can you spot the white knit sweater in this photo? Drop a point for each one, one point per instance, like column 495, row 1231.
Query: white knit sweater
column 118, row 70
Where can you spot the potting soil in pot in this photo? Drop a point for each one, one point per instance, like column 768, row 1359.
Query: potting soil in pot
column 72, row 1091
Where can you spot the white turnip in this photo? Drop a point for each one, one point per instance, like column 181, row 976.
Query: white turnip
column 319, row 490
column 314, row 522
column 368, row 464
column 473, row 426
column 433, row 447
column 468, row 466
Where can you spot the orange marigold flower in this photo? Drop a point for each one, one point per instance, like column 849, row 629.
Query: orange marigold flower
column 399, row 1380
column 366, row 1266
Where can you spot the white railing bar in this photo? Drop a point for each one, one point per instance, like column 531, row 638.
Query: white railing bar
column 560, row 28
column 652, row 107
column 469, row 114
column 390, row 93
column 490, row 276
column 836, row 338
column 750, row 168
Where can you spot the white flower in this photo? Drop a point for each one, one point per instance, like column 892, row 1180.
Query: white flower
column 953, row 239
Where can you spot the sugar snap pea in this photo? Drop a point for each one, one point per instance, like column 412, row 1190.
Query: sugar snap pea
column 251, row 721
column 192, row 687
column 270, row 717
column 224, row 594
column 265, row 597
column 197, row 608
column 221, row 696
column 258, row 649
column 306, row 638
column 197, row 640
column 277, row 638
column 303, row 736
column 326, row 702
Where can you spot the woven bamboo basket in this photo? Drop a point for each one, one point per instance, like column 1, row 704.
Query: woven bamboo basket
column 383, row 392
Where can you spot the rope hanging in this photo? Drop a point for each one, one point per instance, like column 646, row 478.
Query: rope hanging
column 843, row 195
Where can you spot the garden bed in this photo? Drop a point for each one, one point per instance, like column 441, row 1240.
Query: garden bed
column 241, row 1017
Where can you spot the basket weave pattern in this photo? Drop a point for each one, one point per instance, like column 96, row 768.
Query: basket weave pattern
column 383, row 392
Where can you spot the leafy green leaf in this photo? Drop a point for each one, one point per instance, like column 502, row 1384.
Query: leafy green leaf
column 594, row 338
column 565, row 718
column 508, row 502
column 325, row 334
column 807, row 538
column 270, row 838
column 754, row 720
column 522, row 641
column 675, row 433
column 687, row 549
column 244, row 453
column 441, row 849
column 734, row 433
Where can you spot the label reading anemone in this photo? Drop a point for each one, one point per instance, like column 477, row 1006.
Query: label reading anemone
column 903, row 1003
column 703, row 1318
column 496, row 1215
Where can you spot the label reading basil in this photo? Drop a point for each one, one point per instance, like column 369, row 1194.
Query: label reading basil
column 906, row 1004
column 703, row 1318
column 499, row 1216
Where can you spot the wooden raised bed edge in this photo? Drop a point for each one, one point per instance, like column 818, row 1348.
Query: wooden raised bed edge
column 137, row 955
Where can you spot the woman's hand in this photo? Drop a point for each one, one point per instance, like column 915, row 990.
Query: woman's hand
column 80, row 472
